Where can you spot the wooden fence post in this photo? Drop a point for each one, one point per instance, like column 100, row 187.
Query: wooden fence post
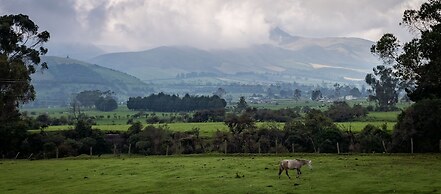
column 130, row 149
column 292, row 147
column 56, row 152
column 384, row 146
column 260, row 149
column 166, row 151
column 276, row 147
column 225, row 146
column 338, row 149
column 90, row 151
column 114, row 149
column 440, row 145
column 411, row 145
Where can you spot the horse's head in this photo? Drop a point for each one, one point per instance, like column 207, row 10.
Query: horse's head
column 309, row 162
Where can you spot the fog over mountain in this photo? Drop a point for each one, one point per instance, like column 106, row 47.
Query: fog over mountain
column 328, row 59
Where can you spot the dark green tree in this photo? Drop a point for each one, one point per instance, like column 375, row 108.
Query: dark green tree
column 418, row 62
column 371, row 139
column 385, row 88
column 238, row 124
column 422, row 122
column 297, row 94
column 316, row 95
column 89, row 97
column 106, row 104
column 241, row 105
column 20, row 50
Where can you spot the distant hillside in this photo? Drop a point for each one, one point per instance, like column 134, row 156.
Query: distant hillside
column 65, row 77
column 292, row 57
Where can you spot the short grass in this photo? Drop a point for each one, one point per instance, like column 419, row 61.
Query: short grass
column 224, row 174
column 358, row 126
column 383, row 116
column 205, row 129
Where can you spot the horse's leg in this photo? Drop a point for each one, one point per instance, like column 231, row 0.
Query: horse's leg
column 287, row 173
column 280, row 171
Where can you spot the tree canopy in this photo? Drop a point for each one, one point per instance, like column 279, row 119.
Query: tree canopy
column 418, row 62
column 385, row 88
column 20, row 50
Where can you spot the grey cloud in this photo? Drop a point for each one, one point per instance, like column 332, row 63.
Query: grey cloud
column 208, row 24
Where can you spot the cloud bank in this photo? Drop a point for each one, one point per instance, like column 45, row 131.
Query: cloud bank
column 211, row 24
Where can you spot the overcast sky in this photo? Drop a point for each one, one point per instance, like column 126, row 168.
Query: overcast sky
column 208, row 24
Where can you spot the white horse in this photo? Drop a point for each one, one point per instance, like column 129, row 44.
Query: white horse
column 293, row 164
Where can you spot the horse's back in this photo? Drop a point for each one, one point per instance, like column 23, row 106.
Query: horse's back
column 288, row 164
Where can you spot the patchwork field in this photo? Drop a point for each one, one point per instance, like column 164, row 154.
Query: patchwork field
column 223, row 174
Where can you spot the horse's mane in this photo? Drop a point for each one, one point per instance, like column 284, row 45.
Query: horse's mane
column 302, row 160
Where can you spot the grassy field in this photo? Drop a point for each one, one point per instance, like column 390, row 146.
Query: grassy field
column 358, row 126
column 117, row 120
column 206, row 129
column 223, row 174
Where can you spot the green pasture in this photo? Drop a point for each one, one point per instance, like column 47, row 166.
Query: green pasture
column 383, row 116
column 223, row 174
column 207, row 129
column 358, row 126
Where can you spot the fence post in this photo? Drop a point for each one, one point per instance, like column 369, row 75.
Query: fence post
column 292, row 147
column 440, row 145
column 338, row 148
column 166, row 151
column 411, row 145
column 260, row 150
column 90, row 151
column 114, row 149
column 276, row 147
column 384, row 146
column 225, row 146
column 130, row 149
column 56, row 152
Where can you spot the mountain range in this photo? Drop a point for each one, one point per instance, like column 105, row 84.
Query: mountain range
column 66, row 77
column 284, row 58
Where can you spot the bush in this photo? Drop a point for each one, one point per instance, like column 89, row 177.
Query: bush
column 422, row 122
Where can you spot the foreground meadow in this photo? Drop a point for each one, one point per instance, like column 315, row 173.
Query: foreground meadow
column 223, row 174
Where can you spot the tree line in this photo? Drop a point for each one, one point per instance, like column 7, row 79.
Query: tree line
column 172, row 103
column 313, row 132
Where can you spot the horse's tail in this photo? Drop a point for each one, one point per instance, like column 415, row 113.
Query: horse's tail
column 280, row 168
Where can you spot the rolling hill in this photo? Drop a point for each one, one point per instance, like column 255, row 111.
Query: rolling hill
column 285, row 58
column 65, row 77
